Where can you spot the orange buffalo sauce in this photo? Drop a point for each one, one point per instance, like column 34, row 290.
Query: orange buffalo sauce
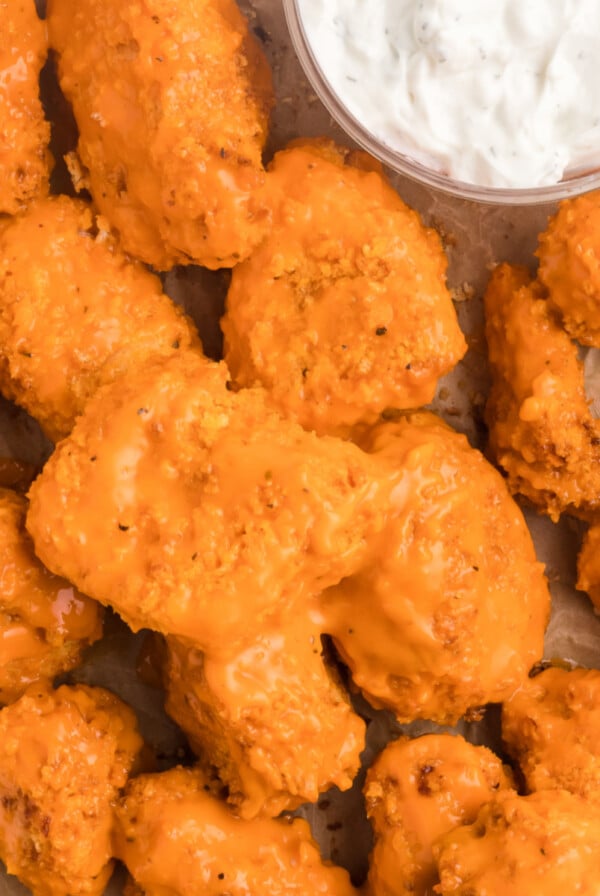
column 24, row 132
column 45, row 623
column 175, row 838
column 417, row 790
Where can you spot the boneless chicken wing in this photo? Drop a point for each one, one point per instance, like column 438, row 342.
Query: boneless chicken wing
column 343, row 311
column 75, row 312
column 569, row 254
column 273, row 720
column 24, row 132
column 450, row 612
column 545, row 843
column 415, row 791
column 64, row 756
column 209, row 511
column 172, row 103
column 542, row 432
column 174, row 837
column 551, row 727
column 44, row 622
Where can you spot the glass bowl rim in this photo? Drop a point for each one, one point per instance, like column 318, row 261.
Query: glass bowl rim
column 403, row 164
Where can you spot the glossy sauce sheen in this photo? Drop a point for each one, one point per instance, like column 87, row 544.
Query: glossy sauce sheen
column 500, row 94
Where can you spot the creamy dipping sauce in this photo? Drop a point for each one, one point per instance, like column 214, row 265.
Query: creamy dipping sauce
column 499, row 93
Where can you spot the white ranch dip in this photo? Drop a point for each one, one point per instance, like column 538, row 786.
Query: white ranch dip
column 499, row 93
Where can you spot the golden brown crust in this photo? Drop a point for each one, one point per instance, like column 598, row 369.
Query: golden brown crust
column 64, row 756
column 45, row 623
column 343, row 310
column 75, row 312
column 542, row 432
column 24, row 132
column 417, row 790
column 172, row 104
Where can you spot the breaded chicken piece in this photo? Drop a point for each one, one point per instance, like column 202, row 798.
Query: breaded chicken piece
column 542, row 432
column 545, row 844
column 551, row 727
column 24, row 132
column 588, row 565
column 44, row 622
column 64, row 756
column 172, row 103
column 569, row 254
column 274, row 720
column 415, row 791
column 343, row 311
column 197, row 511
column 450, row 612
column 174, row 837
column 75, row 312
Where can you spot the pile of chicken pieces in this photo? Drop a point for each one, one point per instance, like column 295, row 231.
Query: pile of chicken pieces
column 290, row 522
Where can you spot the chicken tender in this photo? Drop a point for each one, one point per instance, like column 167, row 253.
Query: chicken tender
column 172, row 103
column 174, row 837
column 551, row 727
column 546, row 843
column 75, row 312
column 417, row 790
column 569, row 254
column 209, row 512
column 24, row 132
column 274, row 720
column 64, row 756
column 450, row 612
column 542, row 432
column 44, row 622
column 343, row 311
column 588, row 565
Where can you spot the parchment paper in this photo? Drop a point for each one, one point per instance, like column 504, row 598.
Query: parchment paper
column 476, row 237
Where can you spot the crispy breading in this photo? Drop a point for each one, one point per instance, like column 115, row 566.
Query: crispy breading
column 273, row 720
column 450, row 611
column 45, row 623
column 551, row 727
column 172, row 103
column 545, row 843
column 542, row 432
column 415, row 791
column 174, row 837
column 343, row 310
column 24, row 132
column 75, row 312
column 569, row 254
column 64, row 756
column 588, row 565
column 198, row 511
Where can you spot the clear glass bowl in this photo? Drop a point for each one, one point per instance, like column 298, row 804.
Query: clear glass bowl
column 403, row 164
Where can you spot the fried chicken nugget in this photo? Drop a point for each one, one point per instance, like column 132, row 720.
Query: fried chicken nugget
column 24, row 132
column 542, row 432
column 44, row 622
column 343, row 311
column 75, row 312
column 450, row 612
column 588, row 565
column 545, row 843
column 551, row 727
column 197, row 511
column 174, row 837
column 64, row 756
column 415, row 791
column 172, row 103
column 569, row 254
column 274, row 720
